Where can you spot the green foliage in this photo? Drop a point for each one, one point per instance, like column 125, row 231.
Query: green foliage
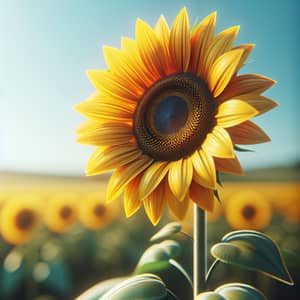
column 253, row 251
column 11, row 274
column 156, row 258
column 233, row 291
column 166, row 232
column 144, row 286
column 239, row 291
column 99, row 289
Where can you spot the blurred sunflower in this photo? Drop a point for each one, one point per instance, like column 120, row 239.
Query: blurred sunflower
column 168, row 112
column 19, row 218
column 248, row 210
column 93, row 212
column 61, row 212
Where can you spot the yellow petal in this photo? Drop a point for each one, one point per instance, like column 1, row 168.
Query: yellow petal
column 154, row 204
column 100, row 109
column 106, row 159
column 163, row 33
column 246, row 84
column 112, row 85
column 178, row 208
column 150, row 49
column 135, row 62
column 234, row 112
column 107, row 134
column 123, row 175
column 201, row 40
column 247, row 50
column 222, row 43
column 180, row 177
column 180, row 46
column 204, row 169
column 132, row 201
column 229, row 165
column 118, row 63
column 152, row 177
column 247, row 133
column 218, row 143
column 222, row 70
column 202, row 196
column 261, row 103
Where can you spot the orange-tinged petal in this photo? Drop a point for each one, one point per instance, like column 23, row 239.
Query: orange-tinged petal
column 106, row 134
column 201, row 39
column 178, row 208
column 163, row 33
column 111, row 85
column 229, row 165
column 150, row 49
column 222, row 70
column 123, row 175
column 180, row 177
column 154, row 204
column 204, row 169
column 247, row 50
column 106, row 159
column 135, row 62
column 132, row 201
column 246, row 84
column 118, row 63
column 218, row 143
column 222, row 43
column 261, row 103
column 202, row 196
column 180, row 46
column 152, row 177
column 234, row 112
column 247, row 133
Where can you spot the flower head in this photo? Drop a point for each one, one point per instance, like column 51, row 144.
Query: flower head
column 167, row 114
column 61, row 212
column 94, row 213
column 19, row 219
column 248, row 210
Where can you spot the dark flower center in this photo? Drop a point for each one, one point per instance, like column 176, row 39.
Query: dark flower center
column 99, row 210
column 170, row 115
column 173, row 117
column 248, row 212
column 65, row 212
column 25, row 219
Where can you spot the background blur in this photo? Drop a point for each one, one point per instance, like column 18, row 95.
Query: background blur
column 46, row 48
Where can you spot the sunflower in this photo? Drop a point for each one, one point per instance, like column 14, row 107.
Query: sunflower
column 248, row 210
column 167, row 113
column 94, row 213
column 61, row 212
column 19, row 218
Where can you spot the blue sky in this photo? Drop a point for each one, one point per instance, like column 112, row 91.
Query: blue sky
column 47, row 46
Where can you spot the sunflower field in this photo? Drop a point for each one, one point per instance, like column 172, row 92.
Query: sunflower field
column 59, row 237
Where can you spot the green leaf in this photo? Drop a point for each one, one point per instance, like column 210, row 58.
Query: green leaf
column 216, row 193
column 140, row 287
column 156, row 258
column 100, row 289
column 239, row 291
column 239, row 149
column 210, row 296
column 254, row 251
column 166, row 232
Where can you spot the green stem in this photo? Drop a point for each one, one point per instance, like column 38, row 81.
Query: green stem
column 200, row 251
